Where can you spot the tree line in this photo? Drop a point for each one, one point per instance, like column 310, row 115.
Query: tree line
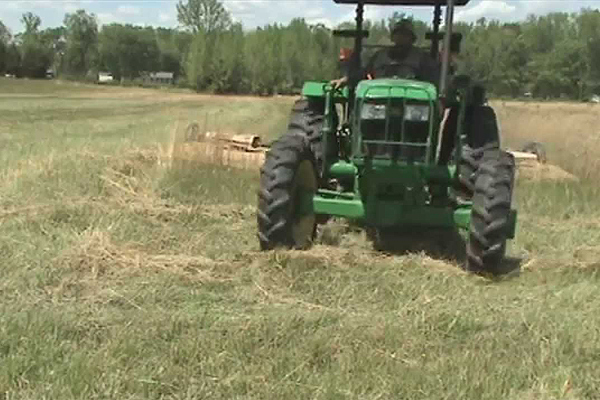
column 551, row 56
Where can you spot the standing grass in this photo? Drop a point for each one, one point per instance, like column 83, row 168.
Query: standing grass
column 569, row 131
column 126, row 277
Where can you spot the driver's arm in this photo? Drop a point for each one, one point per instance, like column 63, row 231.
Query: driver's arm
column 370, row 67
column 367, row 71
column 341, row 82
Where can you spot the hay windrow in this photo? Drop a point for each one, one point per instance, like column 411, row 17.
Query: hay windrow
column 95, row 252
column 537, row 172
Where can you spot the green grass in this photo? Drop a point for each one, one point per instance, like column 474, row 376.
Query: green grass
column 122, row 278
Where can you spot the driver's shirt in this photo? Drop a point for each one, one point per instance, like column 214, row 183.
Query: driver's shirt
column 387, row 63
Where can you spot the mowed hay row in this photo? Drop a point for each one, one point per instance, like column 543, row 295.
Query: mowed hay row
column 535, row 171
column 217, row 154
column 570, row 132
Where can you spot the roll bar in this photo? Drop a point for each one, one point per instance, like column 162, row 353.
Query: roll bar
column 448, row 37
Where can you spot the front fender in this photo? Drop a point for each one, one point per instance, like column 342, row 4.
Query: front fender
column 316, row 89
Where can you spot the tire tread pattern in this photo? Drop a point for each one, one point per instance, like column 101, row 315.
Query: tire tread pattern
column 276, row 182
column 491, row 212
column 307, row 119
column 483, row 136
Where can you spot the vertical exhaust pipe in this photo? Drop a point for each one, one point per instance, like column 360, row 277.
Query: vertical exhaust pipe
column 446, row 54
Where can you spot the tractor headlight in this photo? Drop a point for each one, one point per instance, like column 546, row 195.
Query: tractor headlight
column 373, row 111
column 416, row 113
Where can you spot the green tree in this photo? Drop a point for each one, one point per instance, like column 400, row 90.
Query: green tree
column 13, row 60
column 127, row 51
column 5, row 39
column 226, row 70
column 195, row 61
column 56, row 40
column 203, row 16
column 35, row 52
column 588, row 22
column 170, row 53
column 264, row 60
column 31, row 22
column 82, row 42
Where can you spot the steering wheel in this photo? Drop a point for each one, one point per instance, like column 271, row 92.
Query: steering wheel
column 328, row 87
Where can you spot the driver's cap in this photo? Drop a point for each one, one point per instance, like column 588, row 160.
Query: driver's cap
column 405, row 26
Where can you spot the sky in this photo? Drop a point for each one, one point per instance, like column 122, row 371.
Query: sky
column 253, row 13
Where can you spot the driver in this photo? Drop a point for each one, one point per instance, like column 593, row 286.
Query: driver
column 403, row 60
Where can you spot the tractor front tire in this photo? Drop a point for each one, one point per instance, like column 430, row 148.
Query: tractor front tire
column 491, row 212
column 287, row 177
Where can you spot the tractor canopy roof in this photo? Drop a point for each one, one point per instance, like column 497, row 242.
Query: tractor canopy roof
column 429, row 3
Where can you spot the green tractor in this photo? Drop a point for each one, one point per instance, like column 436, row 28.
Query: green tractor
column 392, row 153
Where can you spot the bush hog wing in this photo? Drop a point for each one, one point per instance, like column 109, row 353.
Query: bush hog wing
column 403, row 153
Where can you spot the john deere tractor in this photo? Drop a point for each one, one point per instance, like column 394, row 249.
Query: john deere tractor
column 392, row 153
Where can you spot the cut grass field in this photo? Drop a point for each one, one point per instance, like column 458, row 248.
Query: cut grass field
column 127, row 276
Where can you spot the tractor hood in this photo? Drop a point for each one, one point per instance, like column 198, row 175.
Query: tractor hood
column 396, row 88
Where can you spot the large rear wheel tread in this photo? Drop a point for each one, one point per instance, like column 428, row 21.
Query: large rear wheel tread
column 469, row 165
column 490, row 216
column 307, row 119
column 483, row 137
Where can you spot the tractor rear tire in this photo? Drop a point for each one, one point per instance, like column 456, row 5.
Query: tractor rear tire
column 469, row 165
column 482, row 136
column 482, row 127
column 490, row 215
column 307, row 120
column 289, row 170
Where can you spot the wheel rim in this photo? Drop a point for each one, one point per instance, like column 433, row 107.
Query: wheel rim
column 303, row 216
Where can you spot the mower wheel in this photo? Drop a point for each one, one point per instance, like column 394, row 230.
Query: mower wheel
column 307, row 120
column 490, row 215
column 288, row 181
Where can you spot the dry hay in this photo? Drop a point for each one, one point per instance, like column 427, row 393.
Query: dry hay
column 127, row 179
column 568, row 130
column 167, row 95
column 227, row 212
column 129, row 184
column 95, row 253
column 535, row 171
column 38, row 165
column 342, row 243
column 93, row 257
column 582, row 259
column 217, row 154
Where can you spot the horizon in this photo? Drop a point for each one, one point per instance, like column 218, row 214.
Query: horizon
column 258, row 13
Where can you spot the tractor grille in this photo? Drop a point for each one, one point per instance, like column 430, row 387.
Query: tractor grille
column 395, row 128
